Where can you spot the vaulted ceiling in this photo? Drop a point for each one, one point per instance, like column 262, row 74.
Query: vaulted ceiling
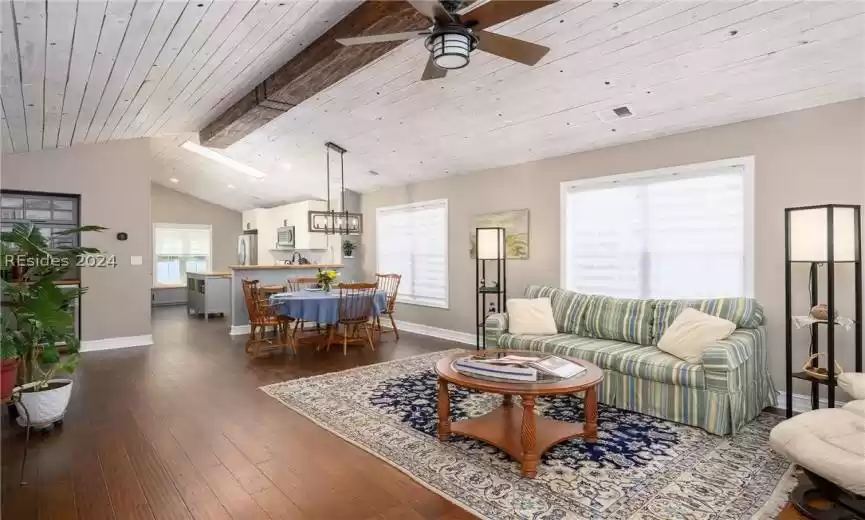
column 86, row 71
column 677, row 65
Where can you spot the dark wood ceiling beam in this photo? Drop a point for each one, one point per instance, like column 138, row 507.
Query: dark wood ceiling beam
column 320, row 65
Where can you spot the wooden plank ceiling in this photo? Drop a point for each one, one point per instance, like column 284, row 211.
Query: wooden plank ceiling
column 678, row 65
column 85, row 71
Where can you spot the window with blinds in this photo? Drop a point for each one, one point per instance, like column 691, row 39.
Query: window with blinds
column 412, row 240
column 672, row 233
column 179, row 249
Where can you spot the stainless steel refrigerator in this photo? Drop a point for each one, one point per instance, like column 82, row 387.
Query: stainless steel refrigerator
column 247, row 247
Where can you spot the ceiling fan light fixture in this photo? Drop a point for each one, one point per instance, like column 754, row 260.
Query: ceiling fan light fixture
column 451, row 46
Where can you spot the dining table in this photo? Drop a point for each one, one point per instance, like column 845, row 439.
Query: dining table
column 317, row 306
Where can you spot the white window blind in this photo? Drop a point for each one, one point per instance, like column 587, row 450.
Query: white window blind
column 179, row 249
column 412, row 240
column 674, row 233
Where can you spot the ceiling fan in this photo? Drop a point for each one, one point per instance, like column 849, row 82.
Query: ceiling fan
column 453, row 36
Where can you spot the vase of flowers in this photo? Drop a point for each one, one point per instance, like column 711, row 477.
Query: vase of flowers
column 326, row 279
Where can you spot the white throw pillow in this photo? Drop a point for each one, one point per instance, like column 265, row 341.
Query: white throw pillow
column 853, row 383
column 691, row 332
column 533, row 317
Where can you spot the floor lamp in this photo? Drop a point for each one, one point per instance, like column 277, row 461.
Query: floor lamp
column 826, row 235
column 490, row 248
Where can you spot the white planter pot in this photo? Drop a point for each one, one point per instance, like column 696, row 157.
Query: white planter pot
column 46, row 406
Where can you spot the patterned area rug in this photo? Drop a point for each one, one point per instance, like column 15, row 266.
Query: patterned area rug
column 640, row 468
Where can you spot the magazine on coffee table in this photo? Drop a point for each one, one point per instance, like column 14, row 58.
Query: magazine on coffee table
column 510, row 365
column 556, row 366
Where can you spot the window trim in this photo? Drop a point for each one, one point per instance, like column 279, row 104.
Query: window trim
column 416, row 205
column 703, row 169
column 172, row 225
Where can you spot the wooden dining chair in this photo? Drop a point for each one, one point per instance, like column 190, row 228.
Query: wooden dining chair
column 389, row 283
column 262, row 317
column 356, row 302
column 299, row 284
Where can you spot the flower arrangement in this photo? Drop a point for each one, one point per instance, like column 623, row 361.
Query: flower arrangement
column 326, row 278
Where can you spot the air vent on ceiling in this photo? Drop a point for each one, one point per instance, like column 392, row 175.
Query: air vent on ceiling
column 614, row 114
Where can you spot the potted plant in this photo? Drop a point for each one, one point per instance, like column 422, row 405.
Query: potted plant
column 348, row 248
column 36, row 324
column 8, row 367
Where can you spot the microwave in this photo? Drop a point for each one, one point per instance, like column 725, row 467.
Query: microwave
column 285, row 236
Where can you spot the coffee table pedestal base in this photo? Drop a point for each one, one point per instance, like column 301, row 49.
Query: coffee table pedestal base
column 525, row 437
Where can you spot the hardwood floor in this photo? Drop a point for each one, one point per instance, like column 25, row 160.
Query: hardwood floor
column 179, row 430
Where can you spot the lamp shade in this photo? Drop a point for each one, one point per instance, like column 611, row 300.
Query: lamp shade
column 491, row 243
column 809, row 234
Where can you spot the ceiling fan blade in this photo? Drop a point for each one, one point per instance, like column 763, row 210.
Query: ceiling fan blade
column 498, row 11
column 432, row 72
column 379, row 38
column 511, row 48
column 433, row 9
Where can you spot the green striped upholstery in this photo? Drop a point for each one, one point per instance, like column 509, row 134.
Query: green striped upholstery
column 746, row 313
column 620, row 319
column 723, row 393
column 568, row 306
column 645, row 362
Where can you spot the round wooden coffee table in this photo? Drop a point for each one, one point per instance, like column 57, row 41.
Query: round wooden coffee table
column 521, row 434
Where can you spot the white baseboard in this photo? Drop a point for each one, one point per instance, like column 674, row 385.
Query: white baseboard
column 436, row 332
column 239, row 330
column 112, row 343
column 802, row 403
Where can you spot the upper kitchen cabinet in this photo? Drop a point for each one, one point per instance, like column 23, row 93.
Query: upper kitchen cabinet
column 253, row 218
column 268, row 220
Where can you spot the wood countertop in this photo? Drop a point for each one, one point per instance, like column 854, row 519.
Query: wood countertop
column 220, row 274
column 284, row 266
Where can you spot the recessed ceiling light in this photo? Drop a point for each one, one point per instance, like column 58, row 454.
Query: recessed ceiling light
column 175, row 181
column 223, row 159
column 231, row 186
column 286, row 165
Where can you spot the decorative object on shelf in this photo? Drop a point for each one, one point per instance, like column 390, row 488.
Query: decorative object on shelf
column 348, row 248
column 516, row 225
column 37, row 326
column 821, row 312
column 810, row 367
column 326, row 279
column 826, row 236
column 805, row 321
column 331, row 221
column 490, row 247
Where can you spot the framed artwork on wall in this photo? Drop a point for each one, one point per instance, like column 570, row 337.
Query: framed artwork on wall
column 516, row 224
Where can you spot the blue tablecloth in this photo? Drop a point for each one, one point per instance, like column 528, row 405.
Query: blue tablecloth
column 317, row 306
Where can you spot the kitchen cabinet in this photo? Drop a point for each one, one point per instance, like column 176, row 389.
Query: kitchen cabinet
column 208, row 293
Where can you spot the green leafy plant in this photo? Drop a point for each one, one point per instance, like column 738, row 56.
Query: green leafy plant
column 348, row 247
column 36, row 323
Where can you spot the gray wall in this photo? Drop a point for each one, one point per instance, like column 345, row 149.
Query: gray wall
column 353, row 270
column 167, row 205
column 807, row 157
column 113, row 180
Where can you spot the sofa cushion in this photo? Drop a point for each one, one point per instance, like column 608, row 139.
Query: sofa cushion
column 643, row 361
column 691, row 332
column 569, row 307
column 619, row 319
column 531, row 316
column 746, row 313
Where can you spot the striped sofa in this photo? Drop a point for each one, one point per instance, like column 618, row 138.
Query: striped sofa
column 727, row 390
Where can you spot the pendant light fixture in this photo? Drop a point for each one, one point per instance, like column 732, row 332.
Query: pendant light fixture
column 334, row 222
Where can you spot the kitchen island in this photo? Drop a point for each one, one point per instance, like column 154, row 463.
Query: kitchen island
column 277, row 274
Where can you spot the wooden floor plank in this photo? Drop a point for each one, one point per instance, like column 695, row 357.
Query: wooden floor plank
column 180, row 430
